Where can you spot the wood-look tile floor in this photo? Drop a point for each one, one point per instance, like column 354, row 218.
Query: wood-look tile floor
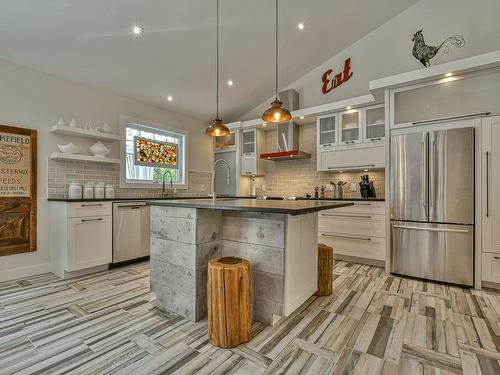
column 374, row 323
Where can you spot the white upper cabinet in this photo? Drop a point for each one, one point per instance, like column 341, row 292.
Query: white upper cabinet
column 374, row 123
column 351, row 140
column 327, row 130
column 252, row 145
column 249, row 141
column 350, row 127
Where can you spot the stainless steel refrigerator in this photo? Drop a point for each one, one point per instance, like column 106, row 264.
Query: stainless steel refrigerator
column 432, row 205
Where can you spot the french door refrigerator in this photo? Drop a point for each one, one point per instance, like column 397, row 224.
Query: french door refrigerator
column 432, row 205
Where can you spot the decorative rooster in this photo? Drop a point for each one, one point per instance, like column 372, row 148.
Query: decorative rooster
column 424, row 53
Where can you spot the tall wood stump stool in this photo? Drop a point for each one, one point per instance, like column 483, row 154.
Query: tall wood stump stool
column 325, row 270
column 229, row 299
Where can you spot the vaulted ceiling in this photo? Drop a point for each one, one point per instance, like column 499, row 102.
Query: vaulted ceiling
column 90, row 41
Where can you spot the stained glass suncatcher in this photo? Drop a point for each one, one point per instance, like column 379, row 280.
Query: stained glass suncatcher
column 151, row 153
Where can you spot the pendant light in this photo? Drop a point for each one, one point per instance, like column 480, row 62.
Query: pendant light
column 217, row 128
column 276, row 113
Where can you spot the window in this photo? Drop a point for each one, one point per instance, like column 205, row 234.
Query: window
column 145, row 176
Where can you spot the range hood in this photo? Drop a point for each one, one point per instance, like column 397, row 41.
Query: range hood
column 288, row 133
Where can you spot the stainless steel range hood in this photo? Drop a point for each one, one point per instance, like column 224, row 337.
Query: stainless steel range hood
column 288, row 133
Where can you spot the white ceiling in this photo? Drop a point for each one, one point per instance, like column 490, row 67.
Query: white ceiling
column 90, row 41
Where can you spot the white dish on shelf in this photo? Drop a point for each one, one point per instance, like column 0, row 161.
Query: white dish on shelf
column 99, row 150
column 69, row 148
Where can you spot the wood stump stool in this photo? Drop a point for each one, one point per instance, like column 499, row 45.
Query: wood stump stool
column 229, row 299
column 325, row 270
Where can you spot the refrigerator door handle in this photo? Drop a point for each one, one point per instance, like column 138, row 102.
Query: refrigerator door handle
column 431, row 229
column 431, row 170
column 424, row 180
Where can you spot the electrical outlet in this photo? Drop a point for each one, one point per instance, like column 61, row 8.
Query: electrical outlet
column 353, row 186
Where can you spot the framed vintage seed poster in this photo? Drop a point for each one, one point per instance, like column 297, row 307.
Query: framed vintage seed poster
column 18, row 188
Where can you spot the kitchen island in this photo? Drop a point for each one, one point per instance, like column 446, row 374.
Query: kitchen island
column 279, row 238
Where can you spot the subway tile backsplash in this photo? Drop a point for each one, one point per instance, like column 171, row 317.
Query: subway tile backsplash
column 62, row 173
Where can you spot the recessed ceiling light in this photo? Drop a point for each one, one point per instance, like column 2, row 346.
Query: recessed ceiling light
column 230, row 82
column 137, row 30
column 301, row 117
column 300, row 26
column 169, row 98
column 365, row 170
column 348, row 107
column 341, row 171
column 449, row 74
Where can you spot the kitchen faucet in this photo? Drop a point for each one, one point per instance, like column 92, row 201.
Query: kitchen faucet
column 228, row 165
column 169, row 172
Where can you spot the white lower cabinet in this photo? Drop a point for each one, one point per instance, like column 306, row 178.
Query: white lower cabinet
column 89, row 242
column 355, row 246
column 81, row 236
column 355, row 231
column 491, row 267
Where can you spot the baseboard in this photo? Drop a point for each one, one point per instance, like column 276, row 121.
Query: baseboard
column 370, row 262
column 22, row 272
column 86, row 271
column 490, row 284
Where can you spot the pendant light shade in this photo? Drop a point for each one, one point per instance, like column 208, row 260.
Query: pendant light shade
column 276, row 113
column 217, row 128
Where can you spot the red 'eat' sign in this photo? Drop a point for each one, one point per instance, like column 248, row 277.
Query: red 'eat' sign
column 329, row 82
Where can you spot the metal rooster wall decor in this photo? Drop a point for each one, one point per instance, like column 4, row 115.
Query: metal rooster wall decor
column 424, row 53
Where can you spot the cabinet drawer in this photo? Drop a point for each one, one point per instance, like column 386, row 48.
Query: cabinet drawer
column 351, row 158
column 355, row 246
column 354, row 224
column 369, row 208
column 491, row 267
column 83, row 209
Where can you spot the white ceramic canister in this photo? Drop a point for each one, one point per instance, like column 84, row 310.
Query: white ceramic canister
column 88, row 191
column 109, row 191
column 75, row 190
column 99, row 190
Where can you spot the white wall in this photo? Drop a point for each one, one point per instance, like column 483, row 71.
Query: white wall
column 387, row 49
column 35, row 100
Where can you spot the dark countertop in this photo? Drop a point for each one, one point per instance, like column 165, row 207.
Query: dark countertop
column 207, row 197
column 120, row 199
column 297, row 207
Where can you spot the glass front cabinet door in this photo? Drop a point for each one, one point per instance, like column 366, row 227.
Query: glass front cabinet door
column 350, row 127
column 374, row 118
column 248, row 142
column 327, row 130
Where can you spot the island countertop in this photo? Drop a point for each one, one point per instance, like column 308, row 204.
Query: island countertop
column 290, row 207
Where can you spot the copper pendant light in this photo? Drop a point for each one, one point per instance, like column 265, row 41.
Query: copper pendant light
column 276, row 113
column 217, row 128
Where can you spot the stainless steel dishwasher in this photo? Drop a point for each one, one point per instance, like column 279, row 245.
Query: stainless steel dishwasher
column 130, row 231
